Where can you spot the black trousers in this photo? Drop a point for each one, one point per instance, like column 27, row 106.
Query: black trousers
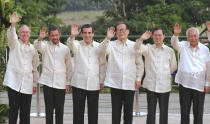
column 163, row 99
column 19, row 102
column 187, row 97
column 122, row 98
column 79, row 97
column 54, row 100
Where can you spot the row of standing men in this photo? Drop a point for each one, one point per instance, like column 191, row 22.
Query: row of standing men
column 91, row 70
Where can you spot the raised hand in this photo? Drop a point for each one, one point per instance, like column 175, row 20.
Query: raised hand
column 208, row 25
column 74, row 30
column 14, row 18
column 177, row 30
column 42, row 34
column 146, row 35
column 110, row 33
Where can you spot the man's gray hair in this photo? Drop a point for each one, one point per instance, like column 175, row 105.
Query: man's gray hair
column 192, row 28
column 19, row 30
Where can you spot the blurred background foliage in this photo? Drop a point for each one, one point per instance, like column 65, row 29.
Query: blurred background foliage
column 140, row 15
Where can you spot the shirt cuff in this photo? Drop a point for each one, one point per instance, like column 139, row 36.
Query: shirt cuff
column 67, row 83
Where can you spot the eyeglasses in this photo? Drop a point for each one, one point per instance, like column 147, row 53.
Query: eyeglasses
column 121, row 30
column 25, row 32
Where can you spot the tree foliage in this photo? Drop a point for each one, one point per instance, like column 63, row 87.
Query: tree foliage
column 144, row 15
column 34, row 13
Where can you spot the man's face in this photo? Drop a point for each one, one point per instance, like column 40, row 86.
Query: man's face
column 24, row 34
column 122, row 32
column 54, row 36
column 193, row 37
column 87, row 35
column 158, row 37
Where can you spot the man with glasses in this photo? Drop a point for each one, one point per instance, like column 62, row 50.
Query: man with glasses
column 124, row 72
column 191, row 75
column 21, row 75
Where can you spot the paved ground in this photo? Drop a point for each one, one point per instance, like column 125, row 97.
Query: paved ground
column 105, row 109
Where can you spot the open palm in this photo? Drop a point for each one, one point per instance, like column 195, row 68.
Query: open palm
column 177, row 29
column 75, row 30
column 14, row 18
column 110, row 32
column 146, row 35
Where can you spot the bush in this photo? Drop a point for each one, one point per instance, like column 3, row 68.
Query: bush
column 3, row 44
column 4, row 113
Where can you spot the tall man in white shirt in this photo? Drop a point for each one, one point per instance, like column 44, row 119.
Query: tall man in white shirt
column 191, row 75
column 55, row 73
column 160, row 63
column 21, row 75
column 124, row 72
column 88, row 73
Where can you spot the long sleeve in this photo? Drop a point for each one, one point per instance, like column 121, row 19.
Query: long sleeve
column 12, row 37
column 141, row 48
column 103, row 48
column 35, row 63
column 68, row 68
column 175, row 43
column 102, row 68
column 139, row 67
column 73, row 44
column 207, row 74
column 173, row 62
column 40, row 45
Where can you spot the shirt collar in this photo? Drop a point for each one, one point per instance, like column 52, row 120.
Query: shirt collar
column 28, row 44
column 120, row 43
column 84, row 43
column 51, row 43
column 162, row 47
column 197, row 47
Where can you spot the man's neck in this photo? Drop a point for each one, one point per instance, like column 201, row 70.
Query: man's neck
column 25, row 42
column 123, row 41
column 159, row 45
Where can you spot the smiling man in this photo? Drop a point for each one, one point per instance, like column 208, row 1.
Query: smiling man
column 124, row 72
column 160, row 63
column 88, row 73
column 55, row 73
column 191, row 75
column 21, row 75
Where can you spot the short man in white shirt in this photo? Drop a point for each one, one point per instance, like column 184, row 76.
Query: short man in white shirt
column 160, row 63
column 124, row 72
column 21, row 75
column 191, row 75
column 55, row 73
column 88, row 73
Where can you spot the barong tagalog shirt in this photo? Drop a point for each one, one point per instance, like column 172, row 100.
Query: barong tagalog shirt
column 160, row 63
column 21, row 74
column 89, row 64
column 192, row 67
column 125, row 65
column 56, row 64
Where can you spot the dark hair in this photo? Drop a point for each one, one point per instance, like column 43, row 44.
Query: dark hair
column 87, row 26
column 157, row 28
column 53, row 28
column 127, row 27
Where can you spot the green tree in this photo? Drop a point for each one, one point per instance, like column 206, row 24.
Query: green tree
column 144, row 15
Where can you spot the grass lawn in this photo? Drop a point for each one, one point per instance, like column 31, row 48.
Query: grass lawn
column 80, row 17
